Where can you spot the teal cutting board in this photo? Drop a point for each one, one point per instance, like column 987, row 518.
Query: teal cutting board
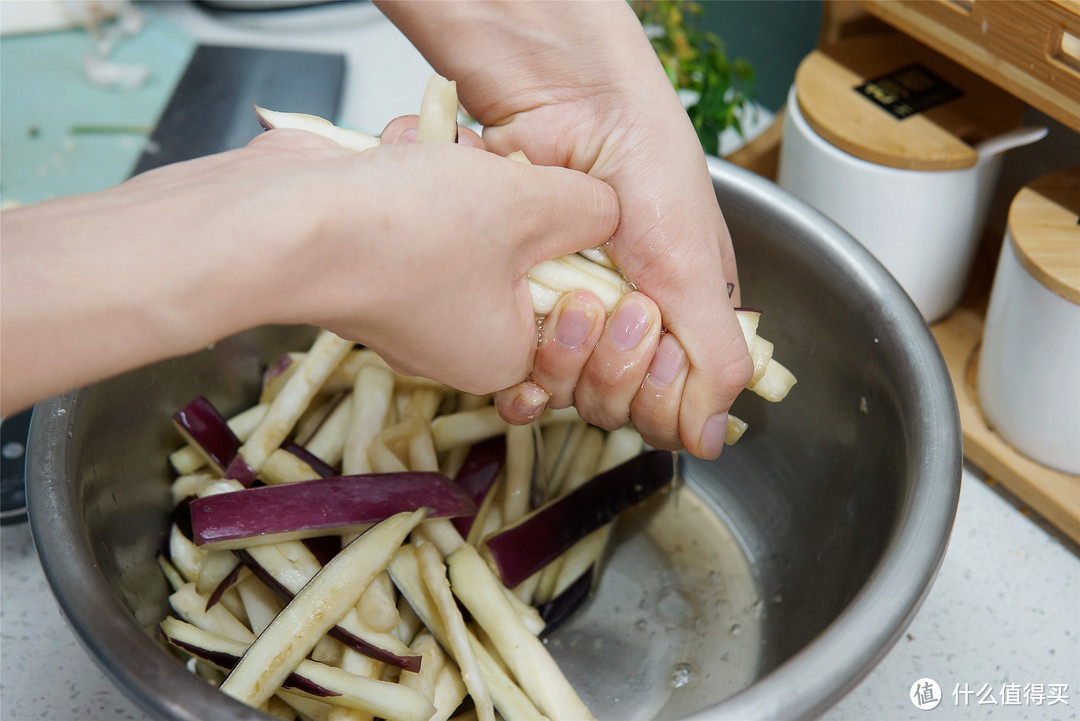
column 59, row 134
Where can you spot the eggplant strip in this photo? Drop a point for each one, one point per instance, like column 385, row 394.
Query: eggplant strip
column 529, row 660
column 326, row 353
column 315, row 610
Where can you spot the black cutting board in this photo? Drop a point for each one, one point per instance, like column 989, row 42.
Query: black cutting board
column 210, row 110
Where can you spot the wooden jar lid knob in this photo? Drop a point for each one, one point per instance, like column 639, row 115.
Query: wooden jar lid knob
column 939, row 137
column 1044, row 223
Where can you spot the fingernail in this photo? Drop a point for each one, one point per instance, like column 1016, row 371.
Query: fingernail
column 667, row 363
column 629, row 325
column 574, row 324
column 530, row 400
column 712, row 435
column 408, row 136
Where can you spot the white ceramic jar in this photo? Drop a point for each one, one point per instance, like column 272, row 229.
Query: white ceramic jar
column 901, row 147
column 924, row 226
column 1029, row 363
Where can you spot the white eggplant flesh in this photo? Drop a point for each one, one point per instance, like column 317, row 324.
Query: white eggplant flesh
column 390, row 701
column 482, row 594
column 351, row 139
column 324, row 601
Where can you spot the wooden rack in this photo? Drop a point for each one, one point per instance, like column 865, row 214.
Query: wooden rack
column 1031, row 49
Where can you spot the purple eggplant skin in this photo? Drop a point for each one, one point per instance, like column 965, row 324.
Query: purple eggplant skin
column 284, row 594
column 317, row 464
column 323, row 547
column 327, row 503
column 540, row 537
column 201, row 424
column 559, row 609
column 240, row 471
column 227, row 661
column 477, row 475
column 405, row 663
column 281, row 364
column 222, row 587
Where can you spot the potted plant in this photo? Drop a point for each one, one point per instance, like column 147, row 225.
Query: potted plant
column 716, row 90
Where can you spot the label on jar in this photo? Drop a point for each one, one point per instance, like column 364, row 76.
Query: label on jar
column 908, row 91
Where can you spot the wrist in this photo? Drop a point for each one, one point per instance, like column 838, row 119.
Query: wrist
column 514, row 56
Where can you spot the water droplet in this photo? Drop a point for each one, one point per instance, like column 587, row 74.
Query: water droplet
column 672, row 606
column 736, row 629
column 61, row 413
column 642, row 623
column 757, row 611
column 681, row 675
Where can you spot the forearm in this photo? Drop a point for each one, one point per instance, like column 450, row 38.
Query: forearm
column 92, row 286
column 386, row 247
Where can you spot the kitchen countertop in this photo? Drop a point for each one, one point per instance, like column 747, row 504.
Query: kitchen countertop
column 1001, row 623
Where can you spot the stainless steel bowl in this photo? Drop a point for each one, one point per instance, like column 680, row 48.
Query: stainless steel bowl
column 766, row 587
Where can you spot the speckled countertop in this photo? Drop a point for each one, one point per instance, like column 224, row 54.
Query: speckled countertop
column 1001, row 623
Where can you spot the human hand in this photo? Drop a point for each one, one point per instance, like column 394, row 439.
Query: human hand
column 578, row 85
column 449, row 235
column 420, row 252
column 612, row 368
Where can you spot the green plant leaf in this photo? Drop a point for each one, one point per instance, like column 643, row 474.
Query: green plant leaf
column 696, row 60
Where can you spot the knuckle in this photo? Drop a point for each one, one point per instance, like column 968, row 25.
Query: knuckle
column 600, row 414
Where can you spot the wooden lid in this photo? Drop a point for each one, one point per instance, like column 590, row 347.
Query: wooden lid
column 928, row 125
column 1044, row 222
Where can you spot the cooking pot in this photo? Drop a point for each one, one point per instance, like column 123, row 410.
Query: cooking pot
column 766, row 586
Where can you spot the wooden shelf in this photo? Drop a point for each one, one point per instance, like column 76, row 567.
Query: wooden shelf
column 1030, row 48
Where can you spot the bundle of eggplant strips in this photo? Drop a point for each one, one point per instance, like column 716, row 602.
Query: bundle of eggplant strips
column 360, row 544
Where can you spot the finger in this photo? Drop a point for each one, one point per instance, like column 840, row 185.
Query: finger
column 699, row 313
column 655, row 409
column 522, row 403
column 708, row 395
column 567, row 338
column 618, row 365
column 402, row 129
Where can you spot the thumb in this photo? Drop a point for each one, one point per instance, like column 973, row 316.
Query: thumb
column 567, row 211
